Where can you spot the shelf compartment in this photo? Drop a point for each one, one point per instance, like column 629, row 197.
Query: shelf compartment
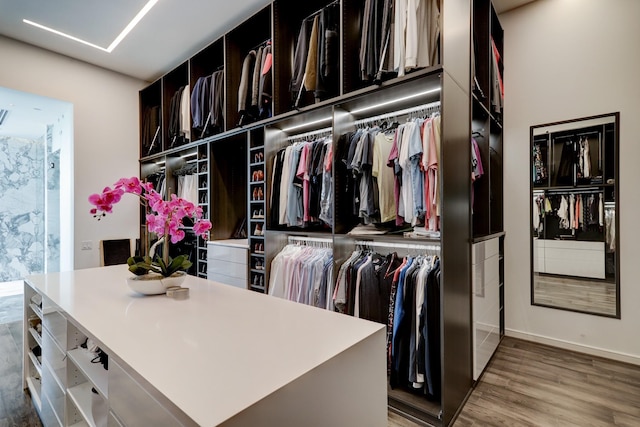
column 94, row 372
column 53, row 391
column 37, row 310
column 55, row 359
column 81, row 397
column 36, row 363
column 35, row 388
column 36, row 336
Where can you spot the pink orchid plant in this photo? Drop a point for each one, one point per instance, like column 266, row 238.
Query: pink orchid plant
column 164, row 217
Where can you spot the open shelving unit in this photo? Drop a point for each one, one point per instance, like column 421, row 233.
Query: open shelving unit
column 466, row 96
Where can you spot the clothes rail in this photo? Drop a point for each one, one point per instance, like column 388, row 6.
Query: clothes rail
column 429, row 108
column 418, row 246
column 153, row 141
column 311, row 241
column 259, row 45
column 311, row 133
column 573, row 135
column 320, row 10
column 575, row 191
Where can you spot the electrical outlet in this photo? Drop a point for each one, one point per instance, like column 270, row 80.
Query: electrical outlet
column 86, row 245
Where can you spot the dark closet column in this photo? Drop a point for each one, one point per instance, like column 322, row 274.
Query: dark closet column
column 481, row 51
column 151, row 169
column 228, row 185
column 480, row 126
column 352, row 11
column 204, row 64
column 496, row 178
column 250, row 35
column 288, row 18
column 456, row 206
column 497, row 35
column 176, row 163
column 151, row 119
column 171, row 83
column 257, row 212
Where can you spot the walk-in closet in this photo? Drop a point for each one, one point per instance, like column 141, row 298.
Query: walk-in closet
column 296, row 159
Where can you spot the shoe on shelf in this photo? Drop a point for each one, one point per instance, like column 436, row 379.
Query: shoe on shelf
column 260, row 194
column 260, row 175
column 261, row 157
column 261, row 283
column 260, row 214
column 254, row 195
column 255, row 280
column 258, row 230
column 255, row 214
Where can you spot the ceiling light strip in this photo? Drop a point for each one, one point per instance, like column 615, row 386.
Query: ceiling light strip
column 147, row 7
column 136, row 19
column 60, row 33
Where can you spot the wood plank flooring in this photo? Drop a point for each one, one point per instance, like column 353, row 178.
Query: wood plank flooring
column 16, row 409
column 529, row 384
column 592, row 296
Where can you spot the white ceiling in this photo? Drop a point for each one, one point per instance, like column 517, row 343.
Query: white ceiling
column 28, row 114
column 169, row 34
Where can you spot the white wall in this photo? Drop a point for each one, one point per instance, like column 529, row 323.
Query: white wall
column 567, row 59
column 105, row 107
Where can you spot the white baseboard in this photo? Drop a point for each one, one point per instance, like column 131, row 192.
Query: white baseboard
column 579, row 348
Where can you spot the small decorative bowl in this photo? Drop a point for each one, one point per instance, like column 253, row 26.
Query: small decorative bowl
column 155, row 284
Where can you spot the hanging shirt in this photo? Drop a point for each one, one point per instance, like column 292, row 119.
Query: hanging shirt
column 384, row 176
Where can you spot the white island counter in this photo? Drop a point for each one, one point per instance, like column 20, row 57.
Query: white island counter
column 225, row 356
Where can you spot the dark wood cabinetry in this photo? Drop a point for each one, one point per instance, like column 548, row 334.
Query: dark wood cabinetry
column 240, row 162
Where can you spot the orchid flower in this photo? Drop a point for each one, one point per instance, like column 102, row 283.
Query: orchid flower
column 165, row 217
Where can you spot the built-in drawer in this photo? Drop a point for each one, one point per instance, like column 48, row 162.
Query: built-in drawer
column 229, row 269
column 574, row 258
column 52, row 392
column 132, row 404
column 55, row 322
column 113, row 421
column 47, row 416
column 54, row 358
column 227, row 253
column 233, row 281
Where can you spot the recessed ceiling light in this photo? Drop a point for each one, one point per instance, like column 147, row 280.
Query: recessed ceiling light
column 147, row 7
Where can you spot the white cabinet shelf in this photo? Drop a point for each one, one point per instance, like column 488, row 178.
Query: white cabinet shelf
column 36, row 336
column 81, row 397
column 36, row 363
column 35, row 387
column 37, row 310
column 94, row 372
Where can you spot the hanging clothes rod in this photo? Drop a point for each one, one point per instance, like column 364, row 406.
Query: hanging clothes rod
column 320, row 10
column 593, row 132
column 259, row 45
column 425, row 247
column 593, row 190
column 435, row 106
column 305, row 239
column 311, row 133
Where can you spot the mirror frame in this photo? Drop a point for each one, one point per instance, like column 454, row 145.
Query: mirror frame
column 616, row 192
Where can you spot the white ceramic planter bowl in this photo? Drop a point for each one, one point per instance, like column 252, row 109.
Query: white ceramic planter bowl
column 155, row 284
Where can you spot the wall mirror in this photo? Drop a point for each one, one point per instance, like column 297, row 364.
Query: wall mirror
column 574, row 215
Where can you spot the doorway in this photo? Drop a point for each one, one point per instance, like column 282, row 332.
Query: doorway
column 36, row 146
